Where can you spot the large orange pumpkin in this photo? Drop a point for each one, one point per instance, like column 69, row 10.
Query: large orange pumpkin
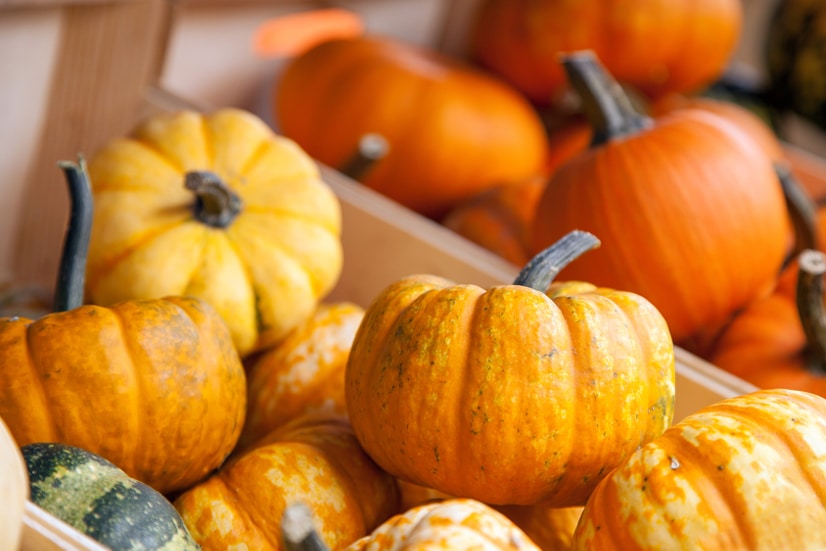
column 154, row 386
column 561, row 385
column 657, row 46
column 688, row 207
column 745, row 473
column 452, row 131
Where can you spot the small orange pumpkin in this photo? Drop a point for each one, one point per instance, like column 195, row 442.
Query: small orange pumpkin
column 452, row 131
column 314, row 459
column 155, row 386
column 656, row 46
column 563, row 384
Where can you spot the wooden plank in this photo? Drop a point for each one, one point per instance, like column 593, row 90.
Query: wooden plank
column 109, row 55
column 54, row 3
column 44, row 532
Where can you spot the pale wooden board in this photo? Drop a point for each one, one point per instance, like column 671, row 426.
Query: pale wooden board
column 44, row 532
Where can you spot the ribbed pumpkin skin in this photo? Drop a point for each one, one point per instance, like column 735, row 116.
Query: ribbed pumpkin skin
column 304, row 373
column 156, row 387
column 689, row 211
column 658, row 46
column 314, row 459
column 745, row 473
column 440, row 374
column 14, row 490
column 100, row 500
column 452, row 131
column 452, row 525
column 264, row 273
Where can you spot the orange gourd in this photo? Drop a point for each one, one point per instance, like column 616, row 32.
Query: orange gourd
column 314, row 459
column 304, row 373
column 657, row 46
column 452, row 131
column 689, row 208
column 563, row 385
column 154, row 386
column 780, row 341
column 748, row 472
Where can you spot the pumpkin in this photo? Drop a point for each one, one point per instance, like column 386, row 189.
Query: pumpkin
column 563, row 385
column 755, row 126
column 218, row 207
column 312, row 458
column 154, row 386
column 499, row 219
column 100, row 500
column 451, row 131
column 460, row 524
column 550, row 528
column 795, row 61
column 780, row 341
column 304, row 374
column 14, row 490
column 662, row 194
column 656, row 46
column 745, row 473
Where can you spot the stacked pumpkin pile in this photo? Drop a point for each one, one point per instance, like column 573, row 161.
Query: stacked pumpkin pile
column 683, row 190
column 193, row 388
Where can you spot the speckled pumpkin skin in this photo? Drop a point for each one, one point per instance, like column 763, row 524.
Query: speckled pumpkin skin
column 156, row 387
column 561, row 385
column 314, row 459
column 745, row 473
column 451, row 524
column 303, row 374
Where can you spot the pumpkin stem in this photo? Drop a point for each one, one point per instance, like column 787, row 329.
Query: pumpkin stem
column 298, row 530
column 606, row 105
column 371, row 149
column 71, row 276
column 802, row 211
column 216, row 204
column 810, row 307
column 546, row 265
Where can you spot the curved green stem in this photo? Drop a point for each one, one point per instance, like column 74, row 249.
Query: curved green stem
column 72, row 272
column 541, row 270
column 605, row 104
column 810, row 307
column 216, row 204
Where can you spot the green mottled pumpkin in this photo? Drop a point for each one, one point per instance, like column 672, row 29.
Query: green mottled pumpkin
column 97, row 498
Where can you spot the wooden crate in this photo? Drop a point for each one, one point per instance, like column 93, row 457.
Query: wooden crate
column 82, row 94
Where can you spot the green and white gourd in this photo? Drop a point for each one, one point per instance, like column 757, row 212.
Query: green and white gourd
column 97, row 498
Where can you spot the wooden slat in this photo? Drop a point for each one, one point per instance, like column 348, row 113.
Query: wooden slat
column 54, row 3
column 44, row 532
column 109, row 55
